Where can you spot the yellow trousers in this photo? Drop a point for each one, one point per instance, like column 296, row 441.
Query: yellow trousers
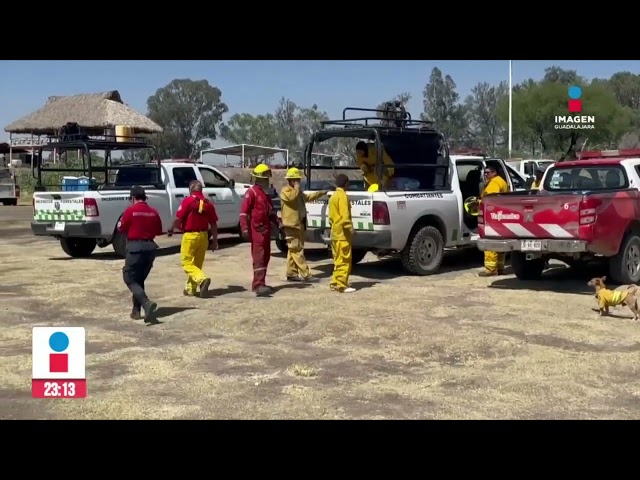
column 494, row 262
column 296, row 262
column 341, row 250
column 193, row 248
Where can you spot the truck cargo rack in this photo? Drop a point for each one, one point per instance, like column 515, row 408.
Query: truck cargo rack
column 393, row 121
column 86, row 143
column 384, row 119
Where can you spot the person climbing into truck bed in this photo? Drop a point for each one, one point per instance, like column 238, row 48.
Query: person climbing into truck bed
column 366, row 155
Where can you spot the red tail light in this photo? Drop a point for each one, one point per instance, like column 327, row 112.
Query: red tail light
column 17, row 191
column 33, row 205
column 381, row 213
column 588, row 209
column 91, row 207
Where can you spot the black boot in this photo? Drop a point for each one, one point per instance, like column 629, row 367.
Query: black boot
column 264, row 291
column 149, row 312
column 135, row 313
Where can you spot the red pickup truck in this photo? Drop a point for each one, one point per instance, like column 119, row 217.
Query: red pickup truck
column 585, row 209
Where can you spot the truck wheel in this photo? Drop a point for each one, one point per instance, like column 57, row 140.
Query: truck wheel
column 357, row 255
column 526, row 269
column 282, row 245
column 13, row 202
column 119, row 244
column 78, row 247
column 624, row 268
column 424, row 252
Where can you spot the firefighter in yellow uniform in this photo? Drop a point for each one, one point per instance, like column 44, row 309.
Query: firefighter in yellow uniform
column 341, row 236
column 294, row 216
column 538, row 180
column 366, row 155
column 493, row 261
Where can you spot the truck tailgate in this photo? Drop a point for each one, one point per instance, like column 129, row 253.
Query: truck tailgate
column 531, row 216
column 361, row 211
column 58, row 206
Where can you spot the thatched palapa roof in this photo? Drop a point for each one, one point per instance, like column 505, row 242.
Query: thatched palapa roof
column 91, row 111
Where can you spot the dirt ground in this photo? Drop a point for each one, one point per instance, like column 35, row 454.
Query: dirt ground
column 450, row 346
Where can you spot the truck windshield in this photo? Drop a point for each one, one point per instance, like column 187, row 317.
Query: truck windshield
column 591, row 177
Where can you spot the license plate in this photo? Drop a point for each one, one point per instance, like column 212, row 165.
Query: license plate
column 59, row 226
column 531, row 245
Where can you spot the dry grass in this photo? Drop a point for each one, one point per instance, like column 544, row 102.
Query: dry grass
column 449, row 346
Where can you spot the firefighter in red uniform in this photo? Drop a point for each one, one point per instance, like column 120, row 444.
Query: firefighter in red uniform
column 141, row 224
column 256, row 216
column 197, row 219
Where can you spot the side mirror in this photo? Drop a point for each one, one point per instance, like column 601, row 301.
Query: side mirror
column 232, row 183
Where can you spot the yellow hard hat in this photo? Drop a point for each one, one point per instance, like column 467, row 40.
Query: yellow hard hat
column 293, row 174
column 472, row 205
column 373, row 188
column 262, row 171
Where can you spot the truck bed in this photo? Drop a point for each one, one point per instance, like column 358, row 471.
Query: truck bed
column 598, row 220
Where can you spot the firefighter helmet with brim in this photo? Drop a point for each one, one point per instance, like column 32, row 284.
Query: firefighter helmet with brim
column 261, row 171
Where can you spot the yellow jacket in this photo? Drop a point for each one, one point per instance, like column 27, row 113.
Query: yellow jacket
column 495, row 185
column 293, row 205
column 340, row 216
column 368, row 166
column 535, row 185
column 611, row 298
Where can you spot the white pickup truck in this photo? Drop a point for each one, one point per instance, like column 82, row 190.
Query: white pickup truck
column 419, row 225
column 85, row 219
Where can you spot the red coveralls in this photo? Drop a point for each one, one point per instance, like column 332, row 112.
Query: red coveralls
column 256, row 215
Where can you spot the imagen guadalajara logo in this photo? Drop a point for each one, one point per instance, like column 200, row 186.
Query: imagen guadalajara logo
column 575, row 122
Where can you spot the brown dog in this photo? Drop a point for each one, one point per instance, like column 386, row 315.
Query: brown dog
column 623, row 295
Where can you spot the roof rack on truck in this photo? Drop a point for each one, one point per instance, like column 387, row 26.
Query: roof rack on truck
column 391, row 121
column 73, row 138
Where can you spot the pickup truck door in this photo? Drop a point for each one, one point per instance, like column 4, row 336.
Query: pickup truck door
column 180, row 179
column 501, row 168
column 218, row 189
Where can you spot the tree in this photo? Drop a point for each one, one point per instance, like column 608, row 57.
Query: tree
column 255, row 130
column 440, row 101
column 190, row 112
column 286, row 124
column 556, row 74
column 482, row 115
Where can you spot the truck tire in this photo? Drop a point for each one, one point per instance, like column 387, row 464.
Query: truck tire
column 357, row 255
column 119, row 244
column 624, row 268
column 282, row 245
column 526, row 269
column 78, row 247
column 424, row 252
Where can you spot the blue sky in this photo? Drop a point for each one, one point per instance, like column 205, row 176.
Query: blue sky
column 256, row 86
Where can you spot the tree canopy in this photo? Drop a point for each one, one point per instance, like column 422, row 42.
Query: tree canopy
column 191, row 113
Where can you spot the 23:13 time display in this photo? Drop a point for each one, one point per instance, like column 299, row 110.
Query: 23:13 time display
column 59, row 389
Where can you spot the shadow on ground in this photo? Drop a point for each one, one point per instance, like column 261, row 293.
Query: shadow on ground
column 311, row 254
column 161, row 252
column 229, row 289
column 163, row 312
column 557, row 279
column 391, row 267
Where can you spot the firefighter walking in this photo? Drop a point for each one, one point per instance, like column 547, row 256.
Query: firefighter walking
column 197, row 219
column 294, row 221
column 493, row 261
column 141, row 223
column 256, row 216
column 341, row 236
